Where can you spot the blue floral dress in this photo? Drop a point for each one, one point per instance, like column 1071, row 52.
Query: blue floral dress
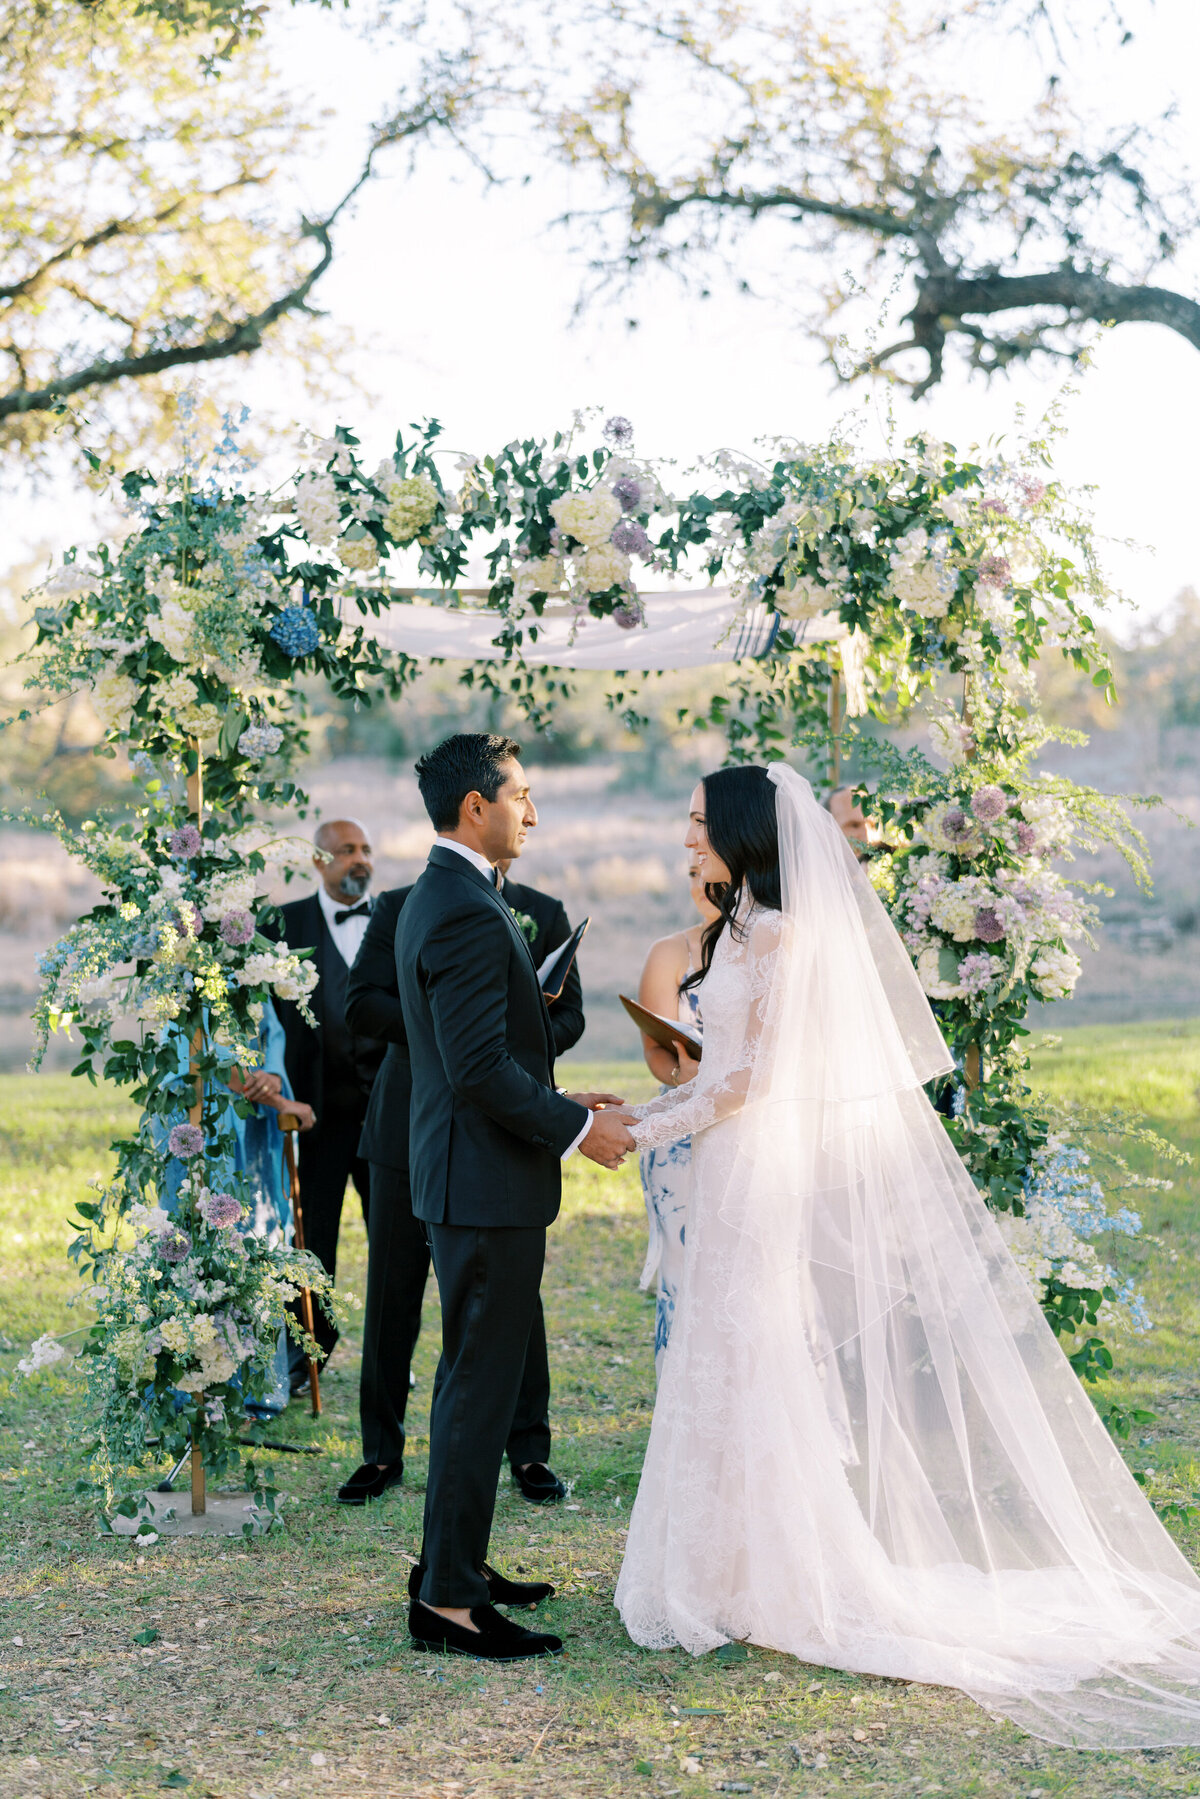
column 667, row 1184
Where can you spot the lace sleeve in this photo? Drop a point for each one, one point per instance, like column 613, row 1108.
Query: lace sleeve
column 723, row 1082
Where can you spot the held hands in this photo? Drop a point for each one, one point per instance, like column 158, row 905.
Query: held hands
column 609, row 1140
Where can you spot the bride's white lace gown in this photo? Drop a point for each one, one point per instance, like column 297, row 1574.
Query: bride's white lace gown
column 868, row 1449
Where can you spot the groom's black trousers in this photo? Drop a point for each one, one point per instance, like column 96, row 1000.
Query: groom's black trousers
column 397, row 1269
column 488, row 1279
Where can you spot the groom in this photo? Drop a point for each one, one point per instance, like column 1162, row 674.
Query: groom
column 488, row 1133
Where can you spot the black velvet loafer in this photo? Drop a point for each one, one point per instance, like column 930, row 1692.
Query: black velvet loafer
column 501, row 1590
column 369, row 1482
column 494, row 1639
column 539, row 1484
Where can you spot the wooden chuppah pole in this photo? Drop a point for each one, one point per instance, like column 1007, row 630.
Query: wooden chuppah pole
column 835, row 728
column 972, row 1061
column 195, row 799
column 289, row 1124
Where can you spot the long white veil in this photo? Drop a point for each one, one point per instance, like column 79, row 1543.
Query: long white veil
column 912, row 1481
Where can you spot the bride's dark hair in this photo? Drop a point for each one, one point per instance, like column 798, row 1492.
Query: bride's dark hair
column 740, row 824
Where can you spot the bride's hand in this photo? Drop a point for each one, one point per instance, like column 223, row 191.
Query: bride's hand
column 686, row 1067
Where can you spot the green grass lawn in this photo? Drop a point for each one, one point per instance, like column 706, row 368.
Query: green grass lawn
column 281, row 1665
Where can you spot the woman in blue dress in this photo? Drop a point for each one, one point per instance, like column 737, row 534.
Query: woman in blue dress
column 666, row 1172
column 258, row 1154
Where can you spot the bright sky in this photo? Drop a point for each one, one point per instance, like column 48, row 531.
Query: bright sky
column 460, row 301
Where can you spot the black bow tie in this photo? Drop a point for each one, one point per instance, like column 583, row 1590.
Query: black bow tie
column 360, row 911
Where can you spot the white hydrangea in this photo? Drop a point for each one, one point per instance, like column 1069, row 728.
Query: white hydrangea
column 200, row 720
column 602, row 567
column 317, row 508
column 543, row 574
column 174, row 627
column 114, row 696
column 176, row 694
column 588, row 517
column 1054, row 972
column 233, row 893
column 924, row 587
column 357, row 549
column 931, row 976
column 411, row 505
column 805, row 597
column 953, row 911
column 956, row 508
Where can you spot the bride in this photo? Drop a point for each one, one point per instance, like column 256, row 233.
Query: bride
column 868, row 1449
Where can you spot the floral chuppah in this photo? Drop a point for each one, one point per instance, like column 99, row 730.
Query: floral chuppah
column 190, row 636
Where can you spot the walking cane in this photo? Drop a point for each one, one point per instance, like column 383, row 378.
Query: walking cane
column 289, row 1124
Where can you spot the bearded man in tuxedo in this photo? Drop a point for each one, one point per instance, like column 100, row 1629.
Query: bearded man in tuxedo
column 488, row 1133
column 398, row 1257
column 333, row 1068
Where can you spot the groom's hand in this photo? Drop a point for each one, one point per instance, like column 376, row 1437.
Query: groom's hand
column 596, row 1101
column 609, row 1140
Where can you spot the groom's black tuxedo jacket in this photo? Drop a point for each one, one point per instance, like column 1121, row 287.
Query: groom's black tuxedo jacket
column 373, row 1009
column 487, row 1129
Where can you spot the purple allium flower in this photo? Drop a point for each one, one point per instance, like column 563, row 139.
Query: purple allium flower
column 994, row 571
column 956, row 825
column 628, row 493
column 174, row 1245
column 996, row 508
column 186, row 1141
column 629, row 536
column 618, row 430
column 628, row 615
column 1026, row 838
column 988, row 928
column 236, row 927
column 989, row 803
column 221, row 1210
column 185, row 843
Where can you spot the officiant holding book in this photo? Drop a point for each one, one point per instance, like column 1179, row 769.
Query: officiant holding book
column 398, row 1256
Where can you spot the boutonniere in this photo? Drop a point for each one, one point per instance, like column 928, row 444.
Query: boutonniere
column 526, row 925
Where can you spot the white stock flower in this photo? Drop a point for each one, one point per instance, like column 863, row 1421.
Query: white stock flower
column 317, row 508
column 588, row 516
column 72, row 579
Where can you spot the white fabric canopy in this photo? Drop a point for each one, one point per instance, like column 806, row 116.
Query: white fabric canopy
column 682, row 630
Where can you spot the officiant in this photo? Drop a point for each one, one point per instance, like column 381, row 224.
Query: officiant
column 398, row 1253
column 333, row 1068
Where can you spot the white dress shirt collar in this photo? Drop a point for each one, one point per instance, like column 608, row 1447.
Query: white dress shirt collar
column 473, row 857
column 349, row 934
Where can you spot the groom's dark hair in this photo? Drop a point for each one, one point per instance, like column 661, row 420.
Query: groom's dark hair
column 468, row 762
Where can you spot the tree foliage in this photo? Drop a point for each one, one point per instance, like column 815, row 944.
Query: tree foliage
column 143, row 221
column 854, row 152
